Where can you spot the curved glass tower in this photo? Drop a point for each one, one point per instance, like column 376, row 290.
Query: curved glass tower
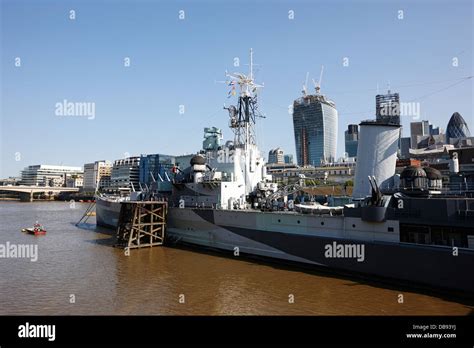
column 457, row 127
column 315, row 127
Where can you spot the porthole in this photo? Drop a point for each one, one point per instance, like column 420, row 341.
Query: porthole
column 353, row 226
column 322, row 223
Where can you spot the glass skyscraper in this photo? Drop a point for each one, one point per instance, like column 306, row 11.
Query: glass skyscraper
column 351, row 136
column 153, row 166
column 315, row 128
column 457, row 128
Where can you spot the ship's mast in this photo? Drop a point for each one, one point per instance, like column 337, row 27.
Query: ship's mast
column 242, row 117
column 251, row 64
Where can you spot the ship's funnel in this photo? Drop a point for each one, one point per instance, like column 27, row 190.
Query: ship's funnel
column 376, row 156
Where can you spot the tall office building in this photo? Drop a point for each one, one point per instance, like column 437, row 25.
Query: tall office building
column 89, row 182
column 405, row 145
column 97, row 175
column 434, row 130
column 417, row 131
column 457, row 128
column 351, row 136
column 276, row 156
column 288, row 159
column 315, row 128
column 75, row 180
column 387, row 108
column 126, row 173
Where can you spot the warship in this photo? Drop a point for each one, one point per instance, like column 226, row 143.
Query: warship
column 404, row 227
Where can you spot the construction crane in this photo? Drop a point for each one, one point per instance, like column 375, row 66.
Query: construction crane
column 317, row 85
column 305, row 89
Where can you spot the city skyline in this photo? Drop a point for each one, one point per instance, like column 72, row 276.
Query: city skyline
column 84, row 60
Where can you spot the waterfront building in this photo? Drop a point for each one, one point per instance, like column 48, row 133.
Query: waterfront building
column 288, row 159
column 75, row 180
column 89, row 183
column 276, row 156
column 93, row 172
column 351, row 136
column 154, row 166
column 315, row 122
column 10, row 181
column 104, row 181
column 457, row 128
column 47, row 175
column 387, row 108
column 126, row 174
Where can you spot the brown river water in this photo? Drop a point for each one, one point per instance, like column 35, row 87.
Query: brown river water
column 78, row 271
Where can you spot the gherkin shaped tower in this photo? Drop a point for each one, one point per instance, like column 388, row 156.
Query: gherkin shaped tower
column 457, row 127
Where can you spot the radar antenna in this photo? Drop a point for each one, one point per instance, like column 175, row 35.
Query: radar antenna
column 242, row 117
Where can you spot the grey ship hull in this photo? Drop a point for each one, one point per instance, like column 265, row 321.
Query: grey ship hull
column 107, row 213
column 258, row 233
column 303, row 238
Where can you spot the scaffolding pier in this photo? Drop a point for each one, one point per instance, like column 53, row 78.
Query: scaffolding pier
column 141, row 224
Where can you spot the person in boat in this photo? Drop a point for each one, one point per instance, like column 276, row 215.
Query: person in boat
column 37, row 227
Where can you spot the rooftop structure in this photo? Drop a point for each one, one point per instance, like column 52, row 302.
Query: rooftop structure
column 387, row 108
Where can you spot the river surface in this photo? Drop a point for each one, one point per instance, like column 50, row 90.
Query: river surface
column 78, row 271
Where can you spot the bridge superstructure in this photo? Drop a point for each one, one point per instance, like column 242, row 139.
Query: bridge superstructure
column 26, row 192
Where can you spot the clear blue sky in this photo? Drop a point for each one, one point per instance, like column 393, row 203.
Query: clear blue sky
column 177, row 62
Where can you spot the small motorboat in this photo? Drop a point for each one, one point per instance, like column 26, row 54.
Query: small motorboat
column 36, row 230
